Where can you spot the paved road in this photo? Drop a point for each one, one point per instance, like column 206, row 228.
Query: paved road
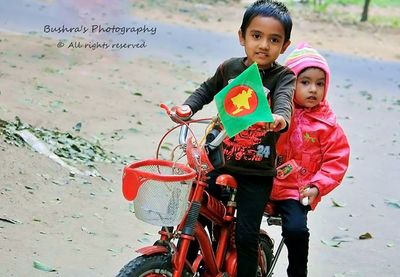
column 365, row 94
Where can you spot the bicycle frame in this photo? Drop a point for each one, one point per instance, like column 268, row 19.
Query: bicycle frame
column 218, row 261
column 223, row 259
column 187, row 229
column 190, row 228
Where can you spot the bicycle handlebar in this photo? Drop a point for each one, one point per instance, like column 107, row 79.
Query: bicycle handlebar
column 166, row 108
column 185, row 128
column 183, row 134
column 218, row 140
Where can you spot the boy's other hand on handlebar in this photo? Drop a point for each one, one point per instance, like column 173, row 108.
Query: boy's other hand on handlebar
column 181, row 113
column 276, row 126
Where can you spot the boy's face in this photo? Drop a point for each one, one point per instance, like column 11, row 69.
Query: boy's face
column 310, row 87
column 263, row 41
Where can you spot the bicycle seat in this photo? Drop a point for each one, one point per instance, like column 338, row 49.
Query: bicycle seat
column 273, row 217
column 226, row 180
column 270, row 209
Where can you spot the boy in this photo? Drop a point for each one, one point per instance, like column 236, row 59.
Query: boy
column 250, row 155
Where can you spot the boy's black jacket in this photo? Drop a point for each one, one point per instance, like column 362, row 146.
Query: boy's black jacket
column 252, row 151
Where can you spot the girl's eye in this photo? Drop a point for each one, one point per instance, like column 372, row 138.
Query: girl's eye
column 304, row 82
column 256, row 36
column 321, row 84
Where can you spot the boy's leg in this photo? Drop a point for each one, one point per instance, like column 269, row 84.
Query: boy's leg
column 296, row 234
column 253, row 193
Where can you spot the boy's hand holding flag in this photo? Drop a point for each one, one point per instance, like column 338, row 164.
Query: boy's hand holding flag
column 243, row 103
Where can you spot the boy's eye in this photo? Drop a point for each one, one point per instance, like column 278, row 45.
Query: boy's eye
column 256, row 36
column 275, row 40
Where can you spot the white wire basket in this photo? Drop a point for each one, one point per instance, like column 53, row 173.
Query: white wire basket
column 160, row 190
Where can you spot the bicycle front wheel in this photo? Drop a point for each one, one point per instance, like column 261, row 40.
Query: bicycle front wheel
column 150, row 266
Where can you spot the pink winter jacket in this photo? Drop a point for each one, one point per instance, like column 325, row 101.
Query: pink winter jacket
column 318, row 145
column 314, row 141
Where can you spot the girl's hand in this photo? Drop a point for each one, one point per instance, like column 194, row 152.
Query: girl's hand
column 310, row 192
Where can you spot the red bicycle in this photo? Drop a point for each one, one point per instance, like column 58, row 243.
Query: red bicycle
column 170, row 193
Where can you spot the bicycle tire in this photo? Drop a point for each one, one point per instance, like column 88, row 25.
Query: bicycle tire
column 155, row 265
column 267, row 252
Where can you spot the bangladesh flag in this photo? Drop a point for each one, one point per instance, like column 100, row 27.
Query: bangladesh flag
column 243, row 102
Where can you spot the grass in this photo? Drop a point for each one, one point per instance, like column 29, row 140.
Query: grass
column 387, row 21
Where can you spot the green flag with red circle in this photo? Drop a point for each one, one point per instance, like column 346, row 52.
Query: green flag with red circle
column 243, row 102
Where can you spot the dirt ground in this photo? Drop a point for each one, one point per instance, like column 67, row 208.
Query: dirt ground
column 80, row 225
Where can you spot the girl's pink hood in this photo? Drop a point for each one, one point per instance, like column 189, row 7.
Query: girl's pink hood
column 305, row 56
column 302, row 57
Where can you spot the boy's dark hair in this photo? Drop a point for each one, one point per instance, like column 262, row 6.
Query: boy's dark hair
column 268, row 8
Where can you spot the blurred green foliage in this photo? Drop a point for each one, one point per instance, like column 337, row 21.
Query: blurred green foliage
column 349, row 11
column 211, row 1
column 391, row 21
column 379, row 3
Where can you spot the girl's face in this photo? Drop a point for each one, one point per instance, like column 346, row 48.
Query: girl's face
column 263, row 41
column 310, row 87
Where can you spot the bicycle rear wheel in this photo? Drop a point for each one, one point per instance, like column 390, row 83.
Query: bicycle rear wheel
column 267, row 255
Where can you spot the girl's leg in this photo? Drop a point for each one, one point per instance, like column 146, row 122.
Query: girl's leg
column 253, row 193
column 296, row 234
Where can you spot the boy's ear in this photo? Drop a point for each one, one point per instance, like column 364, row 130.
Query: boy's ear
column 285, row 46
column 241, row 38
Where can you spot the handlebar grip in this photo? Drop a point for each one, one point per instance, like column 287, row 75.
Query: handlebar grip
column 166, row 108
column 183, row 112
